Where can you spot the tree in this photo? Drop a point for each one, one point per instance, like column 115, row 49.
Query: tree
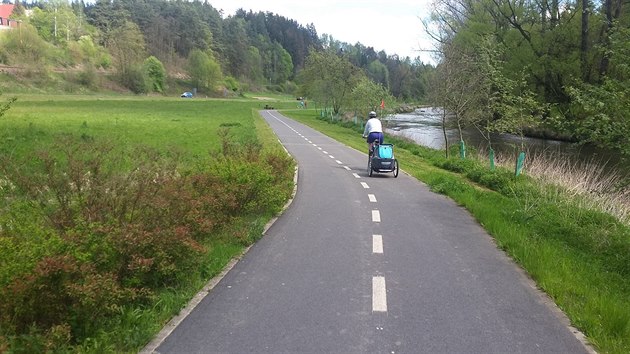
column 281, row 64
column 612, row 11
column 237, row 45
column 367, row 96
column 204, row 70
column 56, row 22
column 378, row 72
column 107, row 16
column 156, row 74
column 329, row 79
column 127, row 47
column 512, row 106
column 459, row 88
column 584, row 40
column 603, row 110
column 254, row 64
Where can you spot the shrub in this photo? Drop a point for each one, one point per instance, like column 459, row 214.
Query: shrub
column 59, row 291
column 85, row 237
column 87, row 77
column 136, row 80
column 231, row 83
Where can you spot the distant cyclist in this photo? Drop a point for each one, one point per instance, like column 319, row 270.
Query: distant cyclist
column 373, row 130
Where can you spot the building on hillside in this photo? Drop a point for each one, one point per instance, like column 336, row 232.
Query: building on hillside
column 5, row 22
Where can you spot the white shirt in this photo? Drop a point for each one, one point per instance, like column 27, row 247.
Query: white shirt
column 373, row 125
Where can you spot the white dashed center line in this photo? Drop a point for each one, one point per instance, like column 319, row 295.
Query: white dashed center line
column 379, row 289
column 377, row 244
column 379, row 295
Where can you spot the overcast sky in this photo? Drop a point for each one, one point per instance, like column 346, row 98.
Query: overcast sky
column 391, row 25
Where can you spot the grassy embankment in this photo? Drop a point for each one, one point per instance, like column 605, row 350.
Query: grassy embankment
column 114, row 211
column 579, row 256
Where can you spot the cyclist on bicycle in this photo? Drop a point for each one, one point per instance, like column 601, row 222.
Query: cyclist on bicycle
column 373, row 131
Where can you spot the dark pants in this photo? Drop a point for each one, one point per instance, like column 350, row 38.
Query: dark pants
column 375, row 136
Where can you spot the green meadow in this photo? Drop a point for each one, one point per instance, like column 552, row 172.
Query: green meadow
column 115, row 211
column 187, row 124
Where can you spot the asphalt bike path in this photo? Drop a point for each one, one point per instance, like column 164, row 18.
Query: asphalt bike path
column 362, row 264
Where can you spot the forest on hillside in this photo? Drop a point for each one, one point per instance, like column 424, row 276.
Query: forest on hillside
column 189, row 39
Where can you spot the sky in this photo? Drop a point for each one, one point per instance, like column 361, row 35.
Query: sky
column 394, row 26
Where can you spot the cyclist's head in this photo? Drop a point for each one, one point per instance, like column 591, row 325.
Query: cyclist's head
column 372, row 114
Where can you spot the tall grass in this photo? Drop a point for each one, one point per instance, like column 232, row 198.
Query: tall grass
column 589, row 184
column 586, row 184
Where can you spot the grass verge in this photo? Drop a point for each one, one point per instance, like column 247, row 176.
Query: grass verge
column 579, row 256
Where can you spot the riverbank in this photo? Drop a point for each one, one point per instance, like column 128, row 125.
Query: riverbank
column 424, row 126
column 579, row 256
column 408, row 108
column 541, row 132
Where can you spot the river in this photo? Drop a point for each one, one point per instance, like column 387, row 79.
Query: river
column 424, row 127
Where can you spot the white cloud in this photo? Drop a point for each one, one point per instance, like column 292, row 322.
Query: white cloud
column 394, row 26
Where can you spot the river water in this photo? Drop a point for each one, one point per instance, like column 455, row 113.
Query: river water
column 424, row 127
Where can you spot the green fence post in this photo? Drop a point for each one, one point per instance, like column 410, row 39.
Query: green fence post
column 462, row 149
column 491, row 160
column 519, row 163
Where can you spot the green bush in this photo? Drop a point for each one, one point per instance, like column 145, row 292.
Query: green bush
column 84, row 236
column 88, row 77
column 155, row 73
column 231, row 83
column 136, row 80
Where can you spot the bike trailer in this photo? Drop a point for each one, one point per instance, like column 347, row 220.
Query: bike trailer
column 383, row 159
column 385, row 151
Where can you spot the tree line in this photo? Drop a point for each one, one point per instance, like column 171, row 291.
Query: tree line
column 247, row 50
column 557, row 67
